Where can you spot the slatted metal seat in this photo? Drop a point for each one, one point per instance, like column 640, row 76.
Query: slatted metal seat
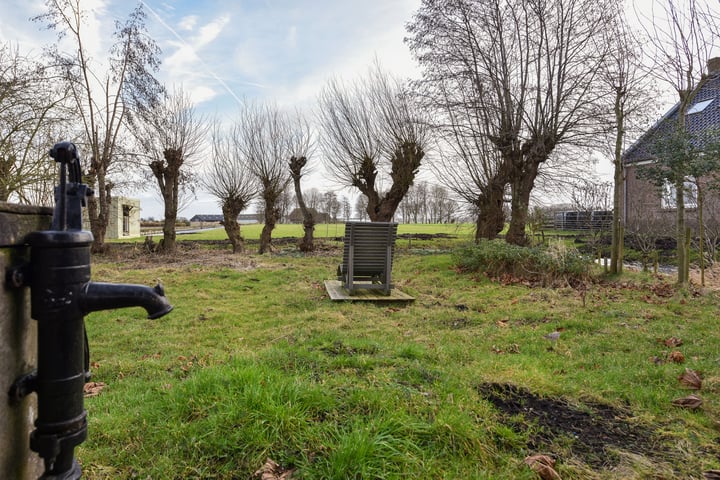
column 367, row 256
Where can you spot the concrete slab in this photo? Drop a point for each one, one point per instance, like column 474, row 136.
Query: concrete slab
column 338, row 293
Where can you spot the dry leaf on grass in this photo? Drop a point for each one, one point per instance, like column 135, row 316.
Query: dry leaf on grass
column 711, row 475
column 691, row 379
column 691, row 402
column 271, row 470
column 93, row 389
column 676, row 356
column 657, row 360
column 673, row 342
column 543, row 466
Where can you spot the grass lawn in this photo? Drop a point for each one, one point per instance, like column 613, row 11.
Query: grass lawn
column 323, row 230
column 256, row 362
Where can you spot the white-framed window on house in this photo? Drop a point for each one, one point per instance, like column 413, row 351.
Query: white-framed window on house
column 669, row 197
column 699, row 106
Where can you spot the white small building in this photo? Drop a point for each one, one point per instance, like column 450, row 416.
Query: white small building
column 124, row 221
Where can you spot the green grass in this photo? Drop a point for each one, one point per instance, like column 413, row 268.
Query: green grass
column 323, row 230
column 258, row 363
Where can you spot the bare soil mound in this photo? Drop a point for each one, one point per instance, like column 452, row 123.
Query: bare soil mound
column 593, row 432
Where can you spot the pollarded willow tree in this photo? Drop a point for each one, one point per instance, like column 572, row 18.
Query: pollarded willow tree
column 262, row 130
column 172, row 137
column 526, row 68
column 102, row 96
column 300, row 145
column 373, row 132
column 230, row 181
column 471, row 167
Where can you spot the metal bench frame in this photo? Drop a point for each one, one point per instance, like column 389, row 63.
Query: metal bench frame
column 367, row 256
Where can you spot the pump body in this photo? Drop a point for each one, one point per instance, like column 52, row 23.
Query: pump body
column 61, row 294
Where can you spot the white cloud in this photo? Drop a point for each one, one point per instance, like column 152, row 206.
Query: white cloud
column 201, row 93
column 210, row 32
column 188, row 23
column 183, row 61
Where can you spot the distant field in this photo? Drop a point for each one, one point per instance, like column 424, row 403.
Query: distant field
column 324, row 230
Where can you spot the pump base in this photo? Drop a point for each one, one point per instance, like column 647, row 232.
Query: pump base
column 73, row 474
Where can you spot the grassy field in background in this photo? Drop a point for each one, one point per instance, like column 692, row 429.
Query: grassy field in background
column 322, row 230
column 256, row 362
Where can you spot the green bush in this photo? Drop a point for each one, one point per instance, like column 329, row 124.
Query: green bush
column 553, row 265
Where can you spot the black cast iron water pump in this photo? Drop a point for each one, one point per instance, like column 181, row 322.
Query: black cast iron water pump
column 61, row 294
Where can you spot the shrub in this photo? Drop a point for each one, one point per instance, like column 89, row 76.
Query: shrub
column 554, row 265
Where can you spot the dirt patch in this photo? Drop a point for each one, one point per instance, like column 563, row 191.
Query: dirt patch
column 712, row 276
column 592, row 431
column 135, row 256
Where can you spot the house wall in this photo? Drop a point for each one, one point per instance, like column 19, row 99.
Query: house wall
column 199, row 224
column 644, row 211
column 18, row 343
column 118, row 207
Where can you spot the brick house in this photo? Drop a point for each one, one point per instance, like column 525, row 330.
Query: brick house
column 649, row 209
column 216, row 220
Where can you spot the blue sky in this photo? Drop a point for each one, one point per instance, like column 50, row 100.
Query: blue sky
column 222, row 51
column 284, row 50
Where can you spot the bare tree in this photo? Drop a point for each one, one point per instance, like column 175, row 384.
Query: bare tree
column 473, row 170
column 228, row 178
column 27, row 97
column 361, row 208
column 172, row 137
column 101, row 99
column 300, row 146
column 682, row 36
column 444, row 37
column 373, row 132
column 644, row 234
column 631, row 93
column 441, row 207
column 414, row 206
column 313, row 198
column 264, row 145
column 346, row 208
column 524, row 73
column 591, row 201
column 331, row 205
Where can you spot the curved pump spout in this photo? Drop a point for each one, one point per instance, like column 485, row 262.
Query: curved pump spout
column 97, row 296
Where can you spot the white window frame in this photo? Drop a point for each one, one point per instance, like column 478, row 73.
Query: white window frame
column 667, row 197
column 699, row 106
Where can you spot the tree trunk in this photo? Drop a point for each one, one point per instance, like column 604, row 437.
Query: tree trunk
column 168, row 244
column 682, row 252
column 306, row 244
column 167, row 174
column 373, row 204
column 521, row 186
column 701, row 226
column 386, row 210
column 616, row 246
column 271, row 216
column 230, row 214
column 491, row 217
column 405, row 162
column 99, row 208
column 5, row 189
